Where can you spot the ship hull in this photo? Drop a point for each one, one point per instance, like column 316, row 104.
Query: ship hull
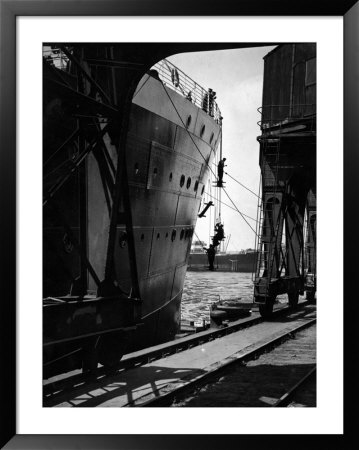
column 170, row 144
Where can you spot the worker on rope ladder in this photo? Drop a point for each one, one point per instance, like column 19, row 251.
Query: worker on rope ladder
column 217, row 238
column 219, row 234
column 220, row 170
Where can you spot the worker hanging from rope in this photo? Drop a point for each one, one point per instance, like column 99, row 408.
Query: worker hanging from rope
column 220, row 170
column 219, row 234
column 202, row 213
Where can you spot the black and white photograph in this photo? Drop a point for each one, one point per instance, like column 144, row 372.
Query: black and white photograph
column 179, row 224
column 173, row 223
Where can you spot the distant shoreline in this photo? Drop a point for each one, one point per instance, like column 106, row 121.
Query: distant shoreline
column 217, row 269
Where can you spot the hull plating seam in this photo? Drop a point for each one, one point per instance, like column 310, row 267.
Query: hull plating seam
column 162, row 306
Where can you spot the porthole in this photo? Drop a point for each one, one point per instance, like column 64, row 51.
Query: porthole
column 173, row 236
column 182, row 180
column 188, row 182
column 166, row 235
column 189, row 120
column 155, row 171
column 142, row 237
column 182, row 234
column 122, row 239
column 170, row 177
column 137, row 169
column 202, row 130
column 211, row 138
column 202, row 190
column 195, row 186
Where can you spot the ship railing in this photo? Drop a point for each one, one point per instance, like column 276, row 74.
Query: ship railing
column 175, row 79
column 274, row 116
column 170, row 75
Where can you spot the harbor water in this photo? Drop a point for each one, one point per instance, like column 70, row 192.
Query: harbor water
column 201, row 289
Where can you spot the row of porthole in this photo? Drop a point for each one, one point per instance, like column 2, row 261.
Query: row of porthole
column 188, row 184
column 182, row 180
column 184, row 234
column 203, row 129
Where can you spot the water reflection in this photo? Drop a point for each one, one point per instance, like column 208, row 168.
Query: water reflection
column 201, row 289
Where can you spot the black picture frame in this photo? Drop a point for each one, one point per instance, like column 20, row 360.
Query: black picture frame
column 9, row 10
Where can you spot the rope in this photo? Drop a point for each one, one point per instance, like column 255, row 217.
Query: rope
column 245, row 187
column 205, row 159
column 250, row 226
column 138, row 90
column 198, row 237
column 199, row 151
column 228, row 206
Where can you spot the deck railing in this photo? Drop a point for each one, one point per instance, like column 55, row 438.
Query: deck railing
column 170, row 75
column 175, row 79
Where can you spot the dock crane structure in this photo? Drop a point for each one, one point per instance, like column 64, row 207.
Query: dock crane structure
column 285, row 262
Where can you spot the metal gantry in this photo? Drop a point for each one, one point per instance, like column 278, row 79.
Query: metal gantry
column 288, row 165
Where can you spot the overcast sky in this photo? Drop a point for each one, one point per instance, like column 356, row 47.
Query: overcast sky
column 237, row 78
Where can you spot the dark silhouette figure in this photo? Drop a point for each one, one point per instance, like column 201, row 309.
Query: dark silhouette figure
column 202, row 213
column 211, row 98
column 219, row 234
column 211, row 252
column 220, row 170
column 208, row 102
column 205, row 102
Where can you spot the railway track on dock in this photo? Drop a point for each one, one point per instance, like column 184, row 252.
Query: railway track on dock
column 185, row 391
column 288, row 399
column 58, row 392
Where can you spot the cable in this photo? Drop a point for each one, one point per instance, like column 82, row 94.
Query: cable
column 234, row 209
column 138, row 90
column 205, row 158
column 198, row 237
column 239, row 211
column 245, row 187
column 199, row 151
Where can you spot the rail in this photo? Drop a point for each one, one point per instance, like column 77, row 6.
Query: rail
column 52, row 387
column 177, row 390
column 283, row 115
column 288, row 396
column 177, row 80
column 169, row 74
